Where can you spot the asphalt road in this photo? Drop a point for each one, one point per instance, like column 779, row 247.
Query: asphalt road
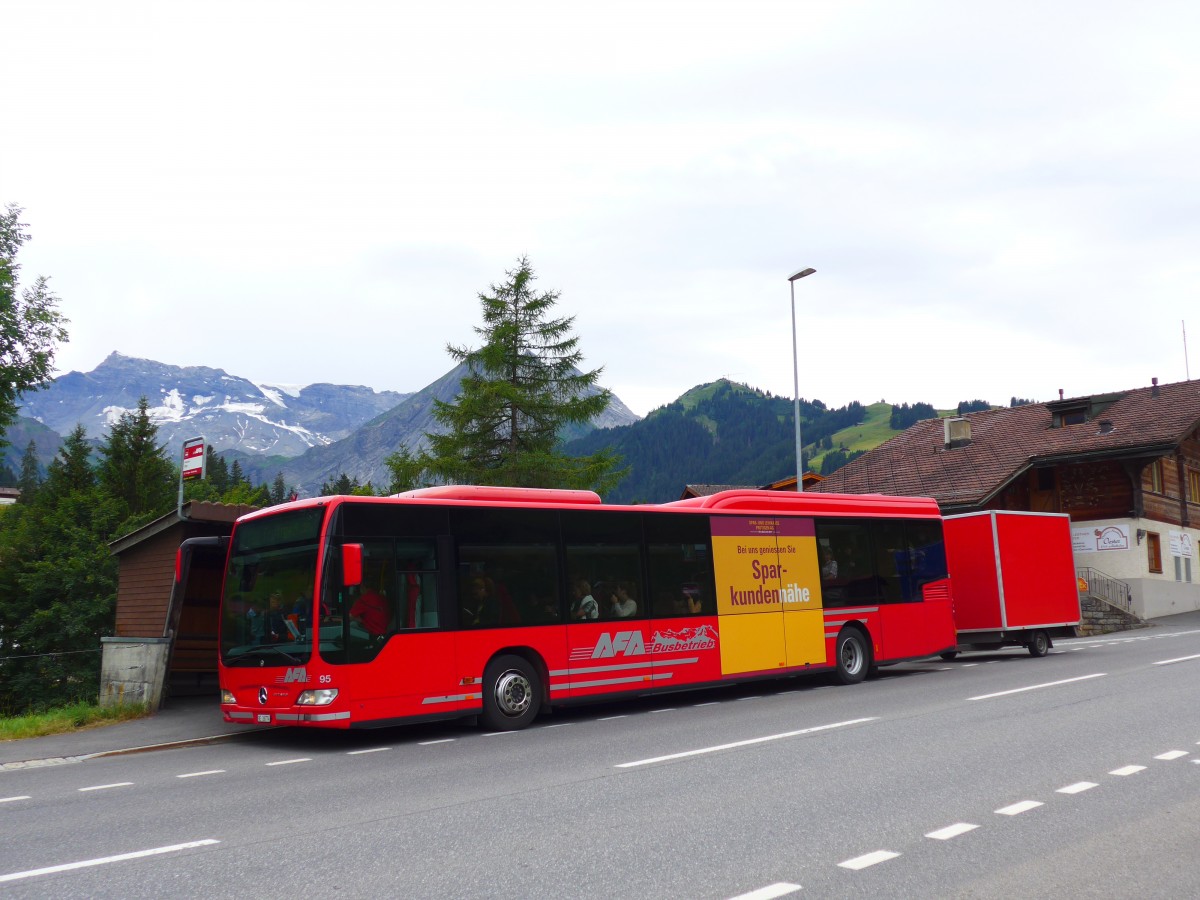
column 995, row 775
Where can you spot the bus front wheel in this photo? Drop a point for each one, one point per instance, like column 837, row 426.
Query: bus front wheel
column 853, row 656
column 512, row 693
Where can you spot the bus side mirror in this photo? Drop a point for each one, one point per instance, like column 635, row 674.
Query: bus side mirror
column 352, row 555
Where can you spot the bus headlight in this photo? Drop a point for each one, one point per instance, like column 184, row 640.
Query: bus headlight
column 227, row 696
column 322, row 697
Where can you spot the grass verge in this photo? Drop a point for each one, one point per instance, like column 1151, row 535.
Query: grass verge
column 67, row 718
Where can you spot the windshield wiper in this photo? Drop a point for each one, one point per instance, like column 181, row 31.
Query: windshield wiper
column 256, row 653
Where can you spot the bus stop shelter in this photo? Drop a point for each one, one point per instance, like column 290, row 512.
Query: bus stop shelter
column 165, row 640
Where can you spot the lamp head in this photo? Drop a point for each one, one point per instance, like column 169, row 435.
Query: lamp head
column 801, row 274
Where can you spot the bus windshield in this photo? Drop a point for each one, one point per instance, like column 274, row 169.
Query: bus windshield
column 267, row 613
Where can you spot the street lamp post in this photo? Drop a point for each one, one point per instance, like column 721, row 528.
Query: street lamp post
column 792, row 279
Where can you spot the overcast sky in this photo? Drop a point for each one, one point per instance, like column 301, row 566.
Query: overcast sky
column 999, row 198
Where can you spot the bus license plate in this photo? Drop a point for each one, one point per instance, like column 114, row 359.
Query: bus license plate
column 264, row 718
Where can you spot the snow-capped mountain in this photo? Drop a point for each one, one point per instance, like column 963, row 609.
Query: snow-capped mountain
column 361, row 454
column 230, row 412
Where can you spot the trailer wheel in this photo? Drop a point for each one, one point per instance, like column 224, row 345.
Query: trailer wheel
column 949, row 655
column 512, row 693
column 853, row 656
column 1039, row 643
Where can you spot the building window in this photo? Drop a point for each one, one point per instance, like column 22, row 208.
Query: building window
column 1193, row 485
column 1156, row 477
column 1154, row 552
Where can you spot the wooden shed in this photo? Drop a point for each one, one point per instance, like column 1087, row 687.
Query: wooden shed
column 165, row 643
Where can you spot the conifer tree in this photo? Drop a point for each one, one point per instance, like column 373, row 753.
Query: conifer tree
column 522, row 388
column 133, row 468
column 30, row 479
column 278, row 489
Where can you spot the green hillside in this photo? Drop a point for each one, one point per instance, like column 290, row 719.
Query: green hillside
column 729, row 433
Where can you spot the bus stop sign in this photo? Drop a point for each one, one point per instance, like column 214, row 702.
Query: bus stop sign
column 194, row 458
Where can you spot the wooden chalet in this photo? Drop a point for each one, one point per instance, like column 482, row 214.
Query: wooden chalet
column 1125, row 466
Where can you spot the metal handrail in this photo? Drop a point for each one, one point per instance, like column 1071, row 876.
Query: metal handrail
column 1104, row 587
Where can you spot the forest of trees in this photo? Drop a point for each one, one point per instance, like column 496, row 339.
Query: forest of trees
column 730, row 435
column 58, row 579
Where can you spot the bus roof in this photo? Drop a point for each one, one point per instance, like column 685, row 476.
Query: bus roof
column 734, row 502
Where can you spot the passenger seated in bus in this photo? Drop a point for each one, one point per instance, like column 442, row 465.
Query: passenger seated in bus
column 829, row 566
column 370, row 611
column 276, row 629
column 622, row 605
column 687, row 603
column 480, row 606
column 583, row 604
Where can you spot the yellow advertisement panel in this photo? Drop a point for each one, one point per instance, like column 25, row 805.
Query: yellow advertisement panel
column 768, row 593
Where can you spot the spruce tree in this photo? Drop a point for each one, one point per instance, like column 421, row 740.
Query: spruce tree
column 30, row 479
column 133, row 468
column 522, row 388
column 278, row 489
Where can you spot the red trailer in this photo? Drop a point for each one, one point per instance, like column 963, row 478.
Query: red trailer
column 1013, row 579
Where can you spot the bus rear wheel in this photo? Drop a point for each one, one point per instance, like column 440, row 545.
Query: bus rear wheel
column 852, row 655
column 512, row 693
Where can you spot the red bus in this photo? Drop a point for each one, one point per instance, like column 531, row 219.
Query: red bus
column 499, row 602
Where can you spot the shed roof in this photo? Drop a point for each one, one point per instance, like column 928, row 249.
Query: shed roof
column 193, row 511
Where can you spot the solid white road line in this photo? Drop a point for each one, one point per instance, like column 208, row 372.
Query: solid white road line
column 105, row 787
column 951, row 831
column 11, row 799
column 288, row 762
column 372, row 750
column 1127, row 770
column 1036, row 687
column 736, row 744
column 1172, row 754
column 198, row 774
column 868, row 859
column 770, row 892
column 1077, row 788
column 1167, row 662
column 1017, row 808
column 66, row 867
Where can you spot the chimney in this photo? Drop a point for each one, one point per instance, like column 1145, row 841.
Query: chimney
column 957, row 432
column 1153, row 387
column 1060, row 393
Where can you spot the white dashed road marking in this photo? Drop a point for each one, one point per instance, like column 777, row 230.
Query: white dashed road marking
column 1077, row 788
column 1017, row 808
column 105, row 787
column 1167, row 662
column 951, row 831
column 198, row 774
column 1172, row 754
column 1127, row 770
column 288, row 762
column 770, row 892
column 747, row 743
column 11, row 799
column 66, row 867
column 868, row 859
column 1037, row 687
column 372, row 750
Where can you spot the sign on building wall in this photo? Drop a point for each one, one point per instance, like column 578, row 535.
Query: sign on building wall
column 1181, row 544
column 1092, row 539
